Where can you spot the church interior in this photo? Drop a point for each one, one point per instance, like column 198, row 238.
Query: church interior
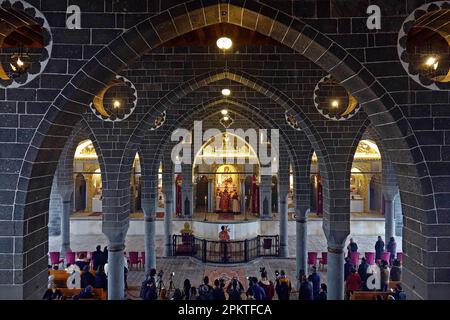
column 248, row 141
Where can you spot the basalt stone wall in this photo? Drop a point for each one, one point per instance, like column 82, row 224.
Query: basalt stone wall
column 417, row 136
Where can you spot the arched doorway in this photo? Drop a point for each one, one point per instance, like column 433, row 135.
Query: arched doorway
column 201, row 202
column 80, row 193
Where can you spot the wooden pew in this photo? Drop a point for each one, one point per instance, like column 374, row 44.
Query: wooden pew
column 99, row 294
column 368, row 295
column 61, row 277
column 392, row 284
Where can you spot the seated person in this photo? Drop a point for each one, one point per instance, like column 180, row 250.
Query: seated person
column 100, row 280
column 86, row 293
column 87, row 278
column 81, row 261
column 52, row 292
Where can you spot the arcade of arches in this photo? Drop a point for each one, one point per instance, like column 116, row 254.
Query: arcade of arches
column 354, row 123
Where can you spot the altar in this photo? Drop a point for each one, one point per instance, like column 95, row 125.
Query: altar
column 356, row 203
column 96, row 204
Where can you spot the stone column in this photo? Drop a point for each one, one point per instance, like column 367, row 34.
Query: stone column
column 116, row 283
column 211, row 196
column 168, row 212
column 243, row 208
column 265, row 197
column 283, row 209
column 335, row 272
column 187, row 201
column 301, row 257
column 149, row 208
column 65, row 226
column 389, row 194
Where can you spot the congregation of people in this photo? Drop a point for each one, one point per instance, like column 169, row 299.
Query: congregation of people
column 358, row 277
column 262, row 289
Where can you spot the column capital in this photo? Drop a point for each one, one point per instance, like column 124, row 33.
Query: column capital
column 150, row 218
column 389, row 192
column 115, row 247
column 335, row 250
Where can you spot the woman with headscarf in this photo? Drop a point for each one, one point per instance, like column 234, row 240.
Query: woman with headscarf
column 52, row 292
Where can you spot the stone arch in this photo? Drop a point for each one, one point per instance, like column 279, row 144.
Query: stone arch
column 43, row 152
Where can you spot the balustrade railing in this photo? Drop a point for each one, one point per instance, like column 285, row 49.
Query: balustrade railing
column 238, row 251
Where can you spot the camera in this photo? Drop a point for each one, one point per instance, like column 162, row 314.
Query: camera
column 277, row 273
column 262, row 269
column 160, row 273
column 172, row 274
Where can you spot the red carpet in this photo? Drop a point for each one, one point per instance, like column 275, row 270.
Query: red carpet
column 226, row 273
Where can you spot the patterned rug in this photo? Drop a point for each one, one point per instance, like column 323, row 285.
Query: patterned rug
column 226, row 216
column 225, row 273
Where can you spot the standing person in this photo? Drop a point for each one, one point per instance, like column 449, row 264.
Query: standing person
column 392, row 248
column 81, row 261
column 323, row 292
column 267, row 285
column 204, row 290
column 218, row 293
column 353, row 283
column 148, row 287
column 348, row 266
column 396, row 271
column 352, row 247
column 362, row 271
column 379, row 248
column 105, row 254
column 235, row 290
column 255, row 291
column 177, row 295
column 125, row 270
column 314, row 278
column 306, row 290
column 193, row 294
column 187, row 289
column 98, row 258
column 283, row 286
column 384, row 276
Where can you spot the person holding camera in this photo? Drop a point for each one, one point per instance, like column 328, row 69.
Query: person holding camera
column 148, row 287
column 283, row 286
column 218, row 293
column 266, row 284
column 205, row 290
column 235, row 290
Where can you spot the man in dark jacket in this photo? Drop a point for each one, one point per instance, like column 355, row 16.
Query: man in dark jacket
column 100, row 280
column 98, row 258
column 352, row 247
column 306, row 290
column 379, row 248
column 348, row 266
column 87, row 278
column 392, row 248
column 314, row 278
column 362, row 271
column 255, row 291
column 218, row 292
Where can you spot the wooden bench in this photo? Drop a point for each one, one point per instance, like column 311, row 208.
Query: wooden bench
column 61, row 277
column 369, row 295
column 99, row 294
column 393, row 284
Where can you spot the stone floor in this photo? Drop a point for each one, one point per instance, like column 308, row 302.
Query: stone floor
column 188, row 268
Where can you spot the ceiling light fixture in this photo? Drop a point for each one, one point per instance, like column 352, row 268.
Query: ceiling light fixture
column 226, row 118
column 116, row 104
column 224, row 112
column 226, row 92
column 335, row 103
column 432, row 62
column 224, row 43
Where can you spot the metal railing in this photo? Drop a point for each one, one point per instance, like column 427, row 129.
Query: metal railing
column 238, row 251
